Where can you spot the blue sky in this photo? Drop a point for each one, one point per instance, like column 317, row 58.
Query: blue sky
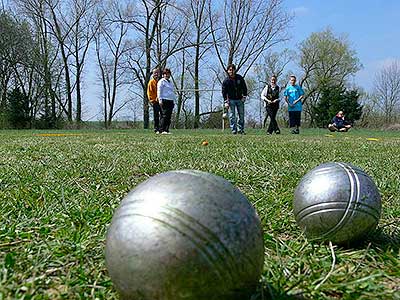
column 371, row 26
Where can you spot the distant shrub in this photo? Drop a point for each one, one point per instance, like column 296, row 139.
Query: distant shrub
column 393, row 127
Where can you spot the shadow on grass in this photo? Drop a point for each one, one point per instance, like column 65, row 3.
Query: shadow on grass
column 378, row 240
column 383, row 241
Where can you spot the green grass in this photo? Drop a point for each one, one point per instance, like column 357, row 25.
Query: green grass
column 58, row 195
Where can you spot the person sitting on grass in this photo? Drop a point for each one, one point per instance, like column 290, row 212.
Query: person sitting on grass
column 339, row 123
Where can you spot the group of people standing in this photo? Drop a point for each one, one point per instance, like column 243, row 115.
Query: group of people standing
column 161, row 95
column 160, row 92
column 234, row 92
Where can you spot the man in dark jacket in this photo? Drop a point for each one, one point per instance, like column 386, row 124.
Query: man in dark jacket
column 339, row 123
column 234, row 91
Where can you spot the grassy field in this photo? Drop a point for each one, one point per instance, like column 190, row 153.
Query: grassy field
column 58, row 195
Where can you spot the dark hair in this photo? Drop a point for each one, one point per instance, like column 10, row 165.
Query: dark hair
column 166, row 71
column 274, row 76
column 231, row 66
column 293, row 76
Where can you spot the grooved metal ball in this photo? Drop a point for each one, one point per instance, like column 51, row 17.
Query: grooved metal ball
column 185, row 235
column 337, row 202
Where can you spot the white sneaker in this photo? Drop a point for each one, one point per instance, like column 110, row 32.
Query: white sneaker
column 164, row 132
column 157, row 132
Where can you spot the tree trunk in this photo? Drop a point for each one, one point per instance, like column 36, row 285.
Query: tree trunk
column 66, row 66
column 196, row 83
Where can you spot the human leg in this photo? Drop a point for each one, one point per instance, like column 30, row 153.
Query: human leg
column 157, row 116
column 292, row 121
column 332, row 128
column 273, row 125
column 169, row 109
column 232, row 115
column 240, row 107
column 270, row 129
column 297, row 121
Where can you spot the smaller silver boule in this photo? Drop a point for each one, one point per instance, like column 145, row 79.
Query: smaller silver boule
column 337, row 202
column 185, row 235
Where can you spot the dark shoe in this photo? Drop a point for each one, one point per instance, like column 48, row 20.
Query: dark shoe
column 242, row 132
column 234, row 132
column 297, row 131
column 269, row 133
column 277, row 132
column 293, row 131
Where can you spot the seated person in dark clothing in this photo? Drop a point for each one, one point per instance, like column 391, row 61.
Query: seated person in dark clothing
column 339, row 123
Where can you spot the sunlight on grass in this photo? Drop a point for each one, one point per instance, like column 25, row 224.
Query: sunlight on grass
column 57, row 197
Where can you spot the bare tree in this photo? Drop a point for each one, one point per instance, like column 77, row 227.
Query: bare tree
column 387, row 91
column 47, row 73
column 144, row 17
column 200, row 15
column 111, row 45
column 247, row 29
column 275, row 63
column 160, row 28
column 61, row 26
column 84, row 17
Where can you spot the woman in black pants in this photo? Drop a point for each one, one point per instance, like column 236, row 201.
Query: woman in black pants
column 166, row 98
column 270, row 95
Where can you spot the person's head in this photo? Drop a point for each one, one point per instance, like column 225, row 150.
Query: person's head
column 273, row 79
column 340, row 114
column 231, row 70
column 156, row 73
column 292, row 80
column 167, row 73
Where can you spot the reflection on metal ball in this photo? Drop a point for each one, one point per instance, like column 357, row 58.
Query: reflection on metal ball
column 337, row 202
column 185, row 235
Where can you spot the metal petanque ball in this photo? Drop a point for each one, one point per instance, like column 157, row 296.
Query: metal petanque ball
column 337, row 202
column 185, row 235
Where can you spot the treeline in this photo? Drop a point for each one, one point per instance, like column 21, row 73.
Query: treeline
column 49, row 49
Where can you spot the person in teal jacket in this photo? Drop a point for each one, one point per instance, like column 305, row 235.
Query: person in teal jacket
column 294, row 96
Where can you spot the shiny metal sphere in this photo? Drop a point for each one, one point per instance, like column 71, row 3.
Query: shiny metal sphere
column 337, row 202
column 185, row 235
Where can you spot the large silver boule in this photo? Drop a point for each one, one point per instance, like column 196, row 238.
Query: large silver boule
column 337, row 202
column 185, row 235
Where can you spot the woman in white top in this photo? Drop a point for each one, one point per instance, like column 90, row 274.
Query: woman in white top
column 166, row 97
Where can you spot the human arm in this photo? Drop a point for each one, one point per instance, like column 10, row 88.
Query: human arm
column 152, row 91
column 224, row 90
column 264, row 95
column 299, row 99
column 287, row 101
column 159, row 88
column 301, row 95
column 244, row 87
column 286, row 97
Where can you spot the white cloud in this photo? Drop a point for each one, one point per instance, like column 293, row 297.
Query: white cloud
column 300, row 11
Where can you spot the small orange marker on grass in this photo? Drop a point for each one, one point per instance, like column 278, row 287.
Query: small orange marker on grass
column 205, row 143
